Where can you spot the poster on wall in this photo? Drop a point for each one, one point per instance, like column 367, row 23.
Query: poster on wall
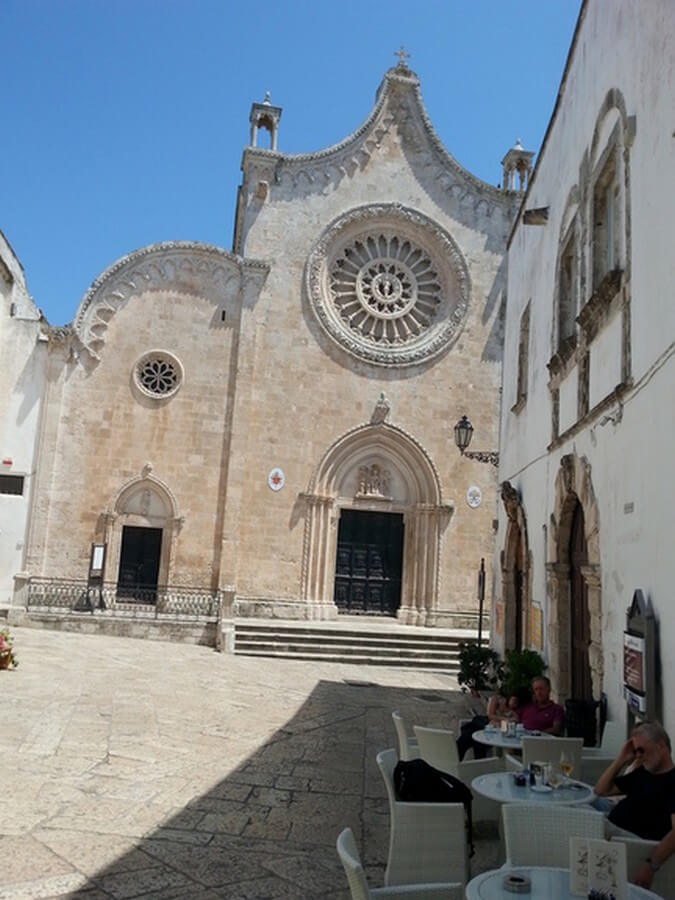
column 499, row 618
column 535, row 627
column 634, row 672
column 637, row 702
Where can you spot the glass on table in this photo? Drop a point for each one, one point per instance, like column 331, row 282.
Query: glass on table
column 555, row 776
column 566, row 764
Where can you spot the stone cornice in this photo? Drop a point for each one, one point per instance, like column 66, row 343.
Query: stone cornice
column 152, row 267
column 397, row 84
column 592, row 312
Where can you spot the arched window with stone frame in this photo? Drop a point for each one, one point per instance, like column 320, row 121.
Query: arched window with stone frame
column 608, row 196
column 568, row 271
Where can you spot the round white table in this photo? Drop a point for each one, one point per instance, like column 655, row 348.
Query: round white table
column 546, row 884
column 495, row 737
column 501, row 786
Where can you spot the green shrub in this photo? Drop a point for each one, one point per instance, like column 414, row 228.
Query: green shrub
column 520, row 667
column 480, row 668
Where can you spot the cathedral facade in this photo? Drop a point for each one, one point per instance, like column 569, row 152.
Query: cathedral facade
column 272, row 426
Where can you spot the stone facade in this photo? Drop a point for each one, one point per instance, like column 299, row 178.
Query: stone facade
column 587, row 433
column 242, row 402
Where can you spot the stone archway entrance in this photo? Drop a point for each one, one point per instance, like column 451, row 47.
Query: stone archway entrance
column 574, row 585
column 515, row 566
column 378, row 469
column 140, row 530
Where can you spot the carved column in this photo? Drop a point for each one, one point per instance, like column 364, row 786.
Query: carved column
column 558, row 626
column 318, row 557
column 509, row 606
column 419, row 588
column 591, row 576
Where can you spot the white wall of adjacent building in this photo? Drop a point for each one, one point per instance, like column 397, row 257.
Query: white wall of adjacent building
column 22, row 372
column 629, row 441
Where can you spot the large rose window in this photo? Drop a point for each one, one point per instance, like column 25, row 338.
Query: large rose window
column 388, row 285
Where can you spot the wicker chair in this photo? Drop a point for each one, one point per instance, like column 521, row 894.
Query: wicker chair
column 547, row 749
column 349, row 856
column 594, row 760
column 536, row 835
column 427, row 841
column 637, row 850
column 407, row 746
column 439, row 749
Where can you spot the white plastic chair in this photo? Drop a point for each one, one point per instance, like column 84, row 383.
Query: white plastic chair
column 439, row 748
column 536, row 835
column 349, row 856
column 637, row 850
column 407, row 746
column 427, row 841
column 548, row 749
column 594, row 760
column 613, row 739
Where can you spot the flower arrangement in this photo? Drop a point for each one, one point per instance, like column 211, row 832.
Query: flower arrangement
column 7, row 656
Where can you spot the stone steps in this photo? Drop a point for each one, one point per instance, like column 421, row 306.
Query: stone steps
column 372, row 642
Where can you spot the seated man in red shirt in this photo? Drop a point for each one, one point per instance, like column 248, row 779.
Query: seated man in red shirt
column 542, row 714
column 648, row 807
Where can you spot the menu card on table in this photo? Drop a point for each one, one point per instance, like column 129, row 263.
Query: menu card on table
column 599, row 866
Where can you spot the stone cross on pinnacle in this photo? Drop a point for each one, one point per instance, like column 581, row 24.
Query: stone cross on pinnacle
column 402, row 56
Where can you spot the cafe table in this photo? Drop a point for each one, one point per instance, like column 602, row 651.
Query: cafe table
column 546, row 884
column 502, row 787
column 501, row 740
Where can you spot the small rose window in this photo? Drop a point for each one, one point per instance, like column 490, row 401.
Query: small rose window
column 158, row 374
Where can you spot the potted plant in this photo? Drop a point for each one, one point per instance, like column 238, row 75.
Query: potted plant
column 480, row 668
column 520, row 667
column 7, row 656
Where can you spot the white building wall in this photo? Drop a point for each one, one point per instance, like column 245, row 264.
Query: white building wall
column 617, row 47
column 22, row 368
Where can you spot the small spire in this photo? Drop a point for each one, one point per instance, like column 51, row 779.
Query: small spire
column 518, row 145
column 267, row 101
column 402, row 56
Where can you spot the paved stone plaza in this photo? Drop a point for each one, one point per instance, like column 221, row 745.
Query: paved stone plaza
column 134, row 768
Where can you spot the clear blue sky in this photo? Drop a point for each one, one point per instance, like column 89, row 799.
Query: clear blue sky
column 124, row 120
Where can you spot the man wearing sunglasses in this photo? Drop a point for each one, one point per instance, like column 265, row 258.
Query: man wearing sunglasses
column 648, row 785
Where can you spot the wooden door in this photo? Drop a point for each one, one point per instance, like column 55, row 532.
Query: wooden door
column 139, row 563
column 369, row 563
column 580, row 626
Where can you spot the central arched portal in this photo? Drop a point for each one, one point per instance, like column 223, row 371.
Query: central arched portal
column 373, row 525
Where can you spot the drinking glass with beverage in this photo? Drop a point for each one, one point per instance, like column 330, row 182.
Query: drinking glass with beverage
column 566, row 764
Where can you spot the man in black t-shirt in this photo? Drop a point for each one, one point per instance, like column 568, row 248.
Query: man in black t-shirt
column 648, row 807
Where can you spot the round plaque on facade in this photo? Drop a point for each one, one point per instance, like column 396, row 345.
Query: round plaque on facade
column 473, row 497
column 276, row 479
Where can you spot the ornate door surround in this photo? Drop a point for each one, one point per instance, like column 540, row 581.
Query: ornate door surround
column 375, row 467
column 573, row 485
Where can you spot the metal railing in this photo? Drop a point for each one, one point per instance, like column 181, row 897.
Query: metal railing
column 163, row 601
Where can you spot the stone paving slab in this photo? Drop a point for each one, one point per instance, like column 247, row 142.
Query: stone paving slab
column 131, row 769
